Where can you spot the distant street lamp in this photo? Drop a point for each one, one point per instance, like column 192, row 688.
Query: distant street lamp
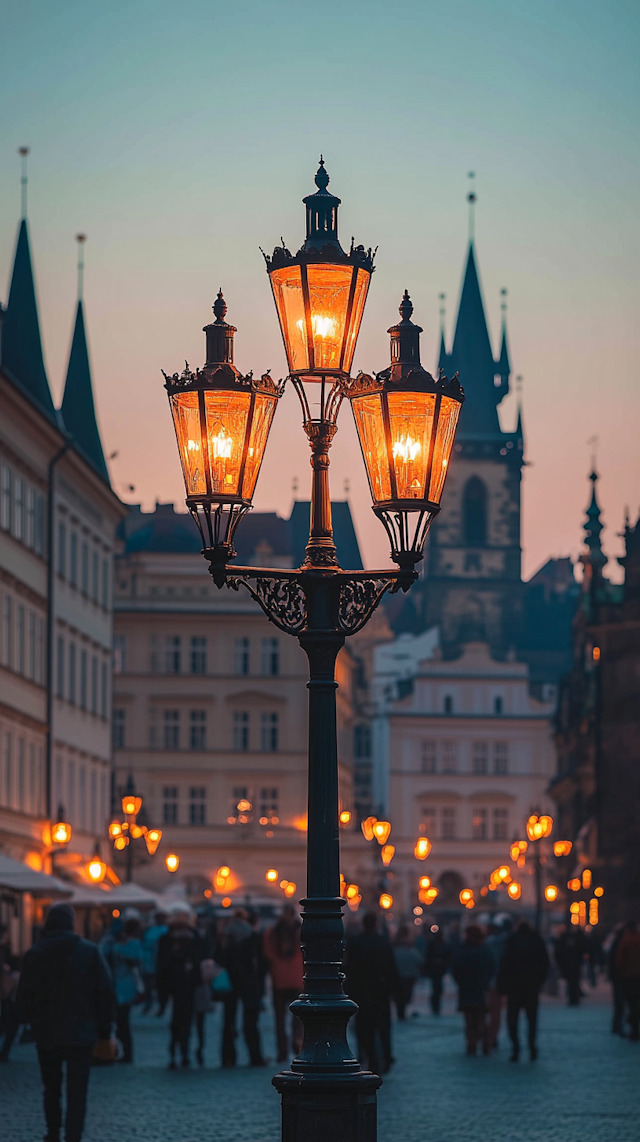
column 406, row 422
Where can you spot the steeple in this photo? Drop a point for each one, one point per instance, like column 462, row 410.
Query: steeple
column 78, row 410
column 593, row 528
column 504, row 364
column 21, row 351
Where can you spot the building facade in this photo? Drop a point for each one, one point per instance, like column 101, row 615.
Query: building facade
column 462, row 754
column 58, row 519
column 210, row 710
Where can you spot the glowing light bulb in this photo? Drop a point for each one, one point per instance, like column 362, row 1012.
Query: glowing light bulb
column 222, row 444
column 422, row 848
column 551, row 892
column 96, row 869
column 172, row 861
column 271, row 875
column 406, row 448
column 193, row 446
column 386, row 901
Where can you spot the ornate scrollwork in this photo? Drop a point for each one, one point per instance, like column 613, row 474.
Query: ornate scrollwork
column 282, row 600
column 358, row 600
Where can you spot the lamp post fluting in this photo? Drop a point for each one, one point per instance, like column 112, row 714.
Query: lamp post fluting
column 406, row 423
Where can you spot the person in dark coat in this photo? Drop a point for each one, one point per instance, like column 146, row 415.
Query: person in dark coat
column 628, row 970
column 569, row 952
column 65, row 994
column 9, row 976
column 522, row 972
column 619, row 999
column 240, row 951
column 180, row 953
column 371, row 979
column 436, row 967
column 473, row 968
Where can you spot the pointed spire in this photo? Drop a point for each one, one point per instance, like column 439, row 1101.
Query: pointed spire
column 23, row 152
column 519, row 428
column 593, row 527
column 78, row 409
column 504, row 364
column 443, row 356
column 472, row 358
column 21, row 353
column 472, row 199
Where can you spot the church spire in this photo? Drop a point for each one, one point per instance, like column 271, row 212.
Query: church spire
column 78, row 409
column 593, row 527
column 21, row 354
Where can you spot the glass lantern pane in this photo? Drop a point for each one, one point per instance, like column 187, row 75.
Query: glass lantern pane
column 359, row 299
column 186, row 421
column 287, row 291
column 446, row 430
column 227, row 415
column 262, row 416
column 367, row 412
column 411, row 421
column 329, row 288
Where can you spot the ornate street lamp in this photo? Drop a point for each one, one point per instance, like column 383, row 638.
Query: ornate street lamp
column 406, row 422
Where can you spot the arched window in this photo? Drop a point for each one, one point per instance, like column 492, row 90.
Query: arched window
column 474, row 513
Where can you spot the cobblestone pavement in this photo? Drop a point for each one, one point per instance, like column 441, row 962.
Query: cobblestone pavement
column 583, row 1088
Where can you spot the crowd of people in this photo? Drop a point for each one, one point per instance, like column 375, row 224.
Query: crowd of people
column 71, row 995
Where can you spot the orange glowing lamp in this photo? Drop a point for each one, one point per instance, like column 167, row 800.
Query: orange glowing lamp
column 121, row 842
column 386, row 901
column 422, row 848
column 598, row 892
column 320, row 293
column 137, row 831
column 354, row 902
column 503, row 873
column 290, row 888
column 352, row 890
column 466, row 896
column 586, row 878
column 345, row 817
column 97, row 870
column 222, row 422
column 381, row 831
column 224, row 872
column 515, row 890
column 406, row 423
column 226, row 901
column 271, row 875
column 428, row 895
column 61, row 832
column 387, row 854
column 551, row 893
column 367, row 828
column 575, row 884
column 115, row 830
column 514, row 852
column 172, row 862
column 152, row 840
column 425, row 882
column 562, row 848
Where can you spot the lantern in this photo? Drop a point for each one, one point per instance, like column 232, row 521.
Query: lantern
column 152, row 839
column 425, row 882
column 222, row 421
column 131, row 805
column 320, row 293
column 406, row 423
column 466, row 896
column 352, row 890
column 422, row 848
column 271, row 875
column 61, row 831
column 290, row 889
column 515, row 890
column 115, row 830
column 381, row 831
column 172, row 862
column 345, row 817
column 387, row 854
column 551, row 893
column 586, row 878
column 386, row 901
column 224, row 872
column 367, row 828
column 96, row 869
column 562, row 848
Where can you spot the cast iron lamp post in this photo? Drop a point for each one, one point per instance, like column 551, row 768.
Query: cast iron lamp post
column 406, row 423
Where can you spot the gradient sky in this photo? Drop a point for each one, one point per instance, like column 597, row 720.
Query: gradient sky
column 182, row 137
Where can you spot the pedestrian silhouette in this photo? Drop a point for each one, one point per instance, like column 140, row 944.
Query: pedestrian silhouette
column 371, row 980
column 473, row 968
column 436, row 966
column 522, row 972
column 408, row 964
column 569, row 952
column 240, row 951
column 628, row 970
column 180, row 953
column 284, row 956
column 65, row 994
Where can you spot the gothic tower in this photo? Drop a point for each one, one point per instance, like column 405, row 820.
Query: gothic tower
column 473, row 587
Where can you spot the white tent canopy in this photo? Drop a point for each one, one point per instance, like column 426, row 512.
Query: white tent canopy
column 121, row 896
column 18, row 876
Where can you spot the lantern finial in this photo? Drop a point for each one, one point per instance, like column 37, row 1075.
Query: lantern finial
column 406, row 306
column 322, row 178
column 220, row 307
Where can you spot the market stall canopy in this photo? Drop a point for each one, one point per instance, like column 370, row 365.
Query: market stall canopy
column 18, row 876
column 122, row 896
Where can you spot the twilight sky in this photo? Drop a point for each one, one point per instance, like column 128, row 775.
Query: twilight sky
column 182, row 137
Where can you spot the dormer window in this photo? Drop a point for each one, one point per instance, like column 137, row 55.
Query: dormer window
column 448, row 704
column 497, row 705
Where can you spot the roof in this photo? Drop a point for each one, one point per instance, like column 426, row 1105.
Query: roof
column 78, row 409
column 21, row 878
column 344, row 535
column 21, row 352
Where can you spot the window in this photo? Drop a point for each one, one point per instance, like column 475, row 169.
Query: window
column 30, row 517
column 60, row 670
column 428, row 822
column 17, row 521
column 94, row 685
column 83, row 679
column 479, row 825
column 84, row 569
column 171, row 729
column 119, row 728
column 8, row 761
column 497, row 705
column 172, row 655
column 32, row 797
column 32, row 646
column 21, row 773
column 5, row 502
column 119, row 654
column 82, row 796
column 448, row 704
column 198, row 729
column 362, row 741
column 449, row 756
column 197, row 805
column 268, row 807
column 39, row 650
column 93, row 797
column 62, row 549
column 72, row 672
column 95, row 577
column 270, row 656
column 241, row 656
column 39, row 540
column 239, row 793
column 474, row 513
column 170, row 805
column 7, row 632
column 20, row 639
column 428, row 756
column 73, row 560
column 103, row 690
column 105, row 584
column 480, row 757
column 241, row 731
column 501, row 757
column 269, row 724
column 500, row 824
column 71, row 788
column 198, row 655
column 448, row 824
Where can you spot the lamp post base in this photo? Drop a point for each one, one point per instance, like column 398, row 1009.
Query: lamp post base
column 322, row 1107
